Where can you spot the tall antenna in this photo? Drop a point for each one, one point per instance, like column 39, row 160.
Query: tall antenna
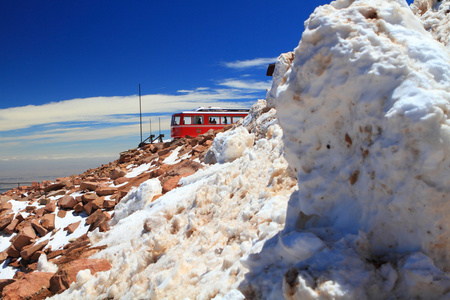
column 140, row 109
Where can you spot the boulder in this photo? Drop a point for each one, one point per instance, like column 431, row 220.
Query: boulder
column 5, row 282
column 12, row 226
column 67, row 202
column 56, row 193
column 48, row 221
column 171, row 183
column 67, row 274
column 109, row 204
column 105, row 190
column 28, row 252
column 50, row 206
column 53, row 187
column 72, row 227
column 78, row 208
column 22, row 240
column 88, row 197
column 5, row 206
column 30, row 285
column 4, row 198
column 89, row 185
column 5, row 221
column 3, row 256
column 39, row 228
column 12, row 252
column 61, row 213
column 99, row 219
column 120, row 180
column 117, row 173
column 94, row 205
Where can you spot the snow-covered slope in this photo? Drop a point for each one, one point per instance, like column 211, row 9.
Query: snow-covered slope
column 189, row 242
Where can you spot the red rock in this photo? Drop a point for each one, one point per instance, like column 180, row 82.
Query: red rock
column 78, row 208
column 5, row 206
column 38, row 228
column 56, row 193
column 12, row 226
column 88, row 197
column 117, row 173
column 29, row 285
column 67, row 202
column 99, row 219
column 3, row 256
column 20, row 217
column 35, row 257
column 30, row 209
column 48, row 221
column 53, row 187
column 40, row 212
column 120, row 180
column 94, row 205
column 72, row 227
column 12, row 251
column 109, row 204
column 5, row 282
column 50, row 206
column 4, row 198
column 28, row 252
column 21, row 241
column 5, row 221
column 89, row 185
column 67, row 274
column 105, row 190
column 62, row 213
column 171, row 183
column 65, row 181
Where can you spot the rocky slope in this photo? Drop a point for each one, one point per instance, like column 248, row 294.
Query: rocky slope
column 32, row 217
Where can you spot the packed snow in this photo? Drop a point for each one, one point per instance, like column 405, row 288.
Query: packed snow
column 335, row 188
column 364, row 107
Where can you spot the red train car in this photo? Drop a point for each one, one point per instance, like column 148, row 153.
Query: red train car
column 193, row 123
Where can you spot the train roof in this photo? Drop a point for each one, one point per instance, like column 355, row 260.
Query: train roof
column 217, row 110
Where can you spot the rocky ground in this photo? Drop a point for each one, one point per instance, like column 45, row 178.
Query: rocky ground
column 91, row 196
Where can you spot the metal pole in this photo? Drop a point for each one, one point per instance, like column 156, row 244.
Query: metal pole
column 140, row 109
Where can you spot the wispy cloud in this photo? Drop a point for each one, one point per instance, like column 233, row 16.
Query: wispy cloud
column 251, row 63
column 246, row 84
column 65, row 128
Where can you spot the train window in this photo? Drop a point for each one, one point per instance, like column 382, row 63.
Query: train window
column 176, row 120
column 187, row 120
column 214, row 120
column 198, row 119
column 236, row 118
column 225, row 120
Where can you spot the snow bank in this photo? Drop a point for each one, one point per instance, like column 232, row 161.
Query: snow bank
column 188, row 243
column 364, row 108
column 229, row 145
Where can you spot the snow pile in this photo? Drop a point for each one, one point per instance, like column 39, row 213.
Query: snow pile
column 188, row 243
column 364, row 109
column 435, row 16
column 229, row 145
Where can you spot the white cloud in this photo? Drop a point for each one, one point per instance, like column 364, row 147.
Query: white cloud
column 112, row 109
column 71, row 128
column 251, row 63
column 245, row 84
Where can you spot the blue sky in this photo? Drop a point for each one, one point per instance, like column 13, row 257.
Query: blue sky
column 69, row 70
